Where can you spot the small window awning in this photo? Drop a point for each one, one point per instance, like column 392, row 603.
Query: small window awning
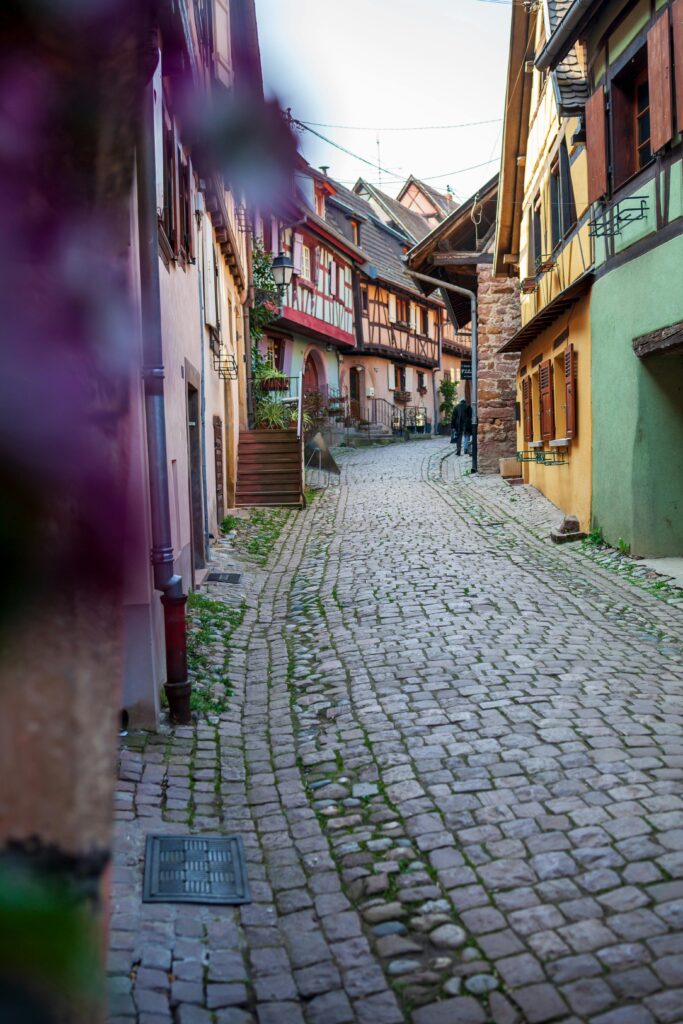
column 549, row 314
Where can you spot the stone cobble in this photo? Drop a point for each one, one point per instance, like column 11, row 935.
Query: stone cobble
column 454, row 753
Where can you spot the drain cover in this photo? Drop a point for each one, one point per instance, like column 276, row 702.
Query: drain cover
column 195, row 869
column 224, row 577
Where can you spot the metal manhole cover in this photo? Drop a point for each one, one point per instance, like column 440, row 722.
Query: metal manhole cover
column 195, row 869
column 224, row 577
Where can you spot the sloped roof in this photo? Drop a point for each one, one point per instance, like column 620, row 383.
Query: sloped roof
column 441, row 200
column 382, row 245
column 412, row 222
column 570, row 77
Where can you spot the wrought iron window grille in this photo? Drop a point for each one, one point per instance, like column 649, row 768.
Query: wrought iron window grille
column 225, row 364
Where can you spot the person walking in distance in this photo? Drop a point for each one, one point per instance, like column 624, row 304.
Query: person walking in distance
column 461, row 426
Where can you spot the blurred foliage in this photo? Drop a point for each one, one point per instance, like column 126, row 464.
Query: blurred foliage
column 49, row 948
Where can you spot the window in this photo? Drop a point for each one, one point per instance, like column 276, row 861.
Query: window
column 402, row 310
column 400, row 378
column 332, row 277
column 421, row 386
column 364, row 300
column 537, row 250
column 306, row 262
column 168, row 218
column 630, row 114
column 267, row 235
column 547, row 404
column 528, row 416
column 319, row 202
column 355, row 232
column 275, row 352
column 185, row 206
column 424, row 320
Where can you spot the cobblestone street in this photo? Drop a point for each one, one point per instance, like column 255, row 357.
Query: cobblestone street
column 454, row 752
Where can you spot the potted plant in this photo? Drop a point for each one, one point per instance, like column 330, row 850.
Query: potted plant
column 402, row 397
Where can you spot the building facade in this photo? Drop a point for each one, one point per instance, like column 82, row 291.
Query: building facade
column 543, row 239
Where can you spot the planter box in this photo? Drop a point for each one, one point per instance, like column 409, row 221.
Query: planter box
column 402, row 397
column 509, row 468
column 274, row 384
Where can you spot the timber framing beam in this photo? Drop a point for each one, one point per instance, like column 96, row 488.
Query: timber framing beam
column 665, row 341
column 453, row 258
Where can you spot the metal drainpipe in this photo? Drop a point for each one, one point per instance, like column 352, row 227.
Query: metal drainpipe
column 173, row 600
column 205, row 493
column 473, row 313
column 435, row 392
column 246, row 326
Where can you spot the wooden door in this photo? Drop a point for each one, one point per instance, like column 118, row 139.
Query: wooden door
column 310, row 376
column 218, row 456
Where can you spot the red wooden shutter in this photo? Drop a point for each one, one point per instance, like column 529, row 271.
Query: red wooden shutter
column 527, row 410
column 570, row 389
column 545, row 383
column 677, row 22
column 596, row 145
column 659, row 82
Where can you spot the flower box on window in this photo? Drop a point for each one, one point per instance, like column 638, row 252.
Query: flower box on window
column 402, row 397
column 528, row 285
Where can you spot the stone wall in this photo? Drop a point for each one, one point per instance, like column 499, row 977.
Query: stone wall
column 499, row 318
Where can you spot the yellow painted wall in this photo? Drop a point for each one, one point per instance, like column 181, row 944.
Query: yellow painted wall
column 567, row 486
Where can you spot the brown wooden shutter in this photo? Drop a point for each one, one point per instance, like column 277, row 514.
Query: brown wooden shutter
column 545, row 383
column 596, row 145
column 677, row 22
column 570, row 389
column 527, row 410
column 659, row 83
column 218, row 456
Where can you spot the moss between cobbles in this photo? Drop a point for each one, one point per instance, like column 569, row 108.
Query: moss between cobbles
column 210, row 624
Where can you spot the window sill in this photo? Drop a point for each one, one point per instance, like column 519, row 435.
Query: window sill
column 305, row 283
column 560, row 442
column 165, row 248
column 535, row 444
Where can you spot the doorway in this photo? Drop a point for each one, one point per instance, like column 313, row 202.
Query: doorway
column 311, row 380
column 354, row 392
column 194, row 451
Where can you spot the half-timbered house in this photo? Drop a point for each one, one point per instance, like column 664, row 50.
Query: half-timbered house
column 544, row 240
column 631, row 117
column 459, row 251
column 391, row 380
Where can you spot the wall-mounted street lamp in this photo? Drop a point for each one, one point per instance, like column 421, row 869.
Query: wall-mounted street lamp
column 282, row 268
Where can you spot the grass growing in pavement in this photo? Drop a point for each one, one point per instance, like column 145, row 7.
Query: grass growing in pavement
column 264, row 526
column 210, row 624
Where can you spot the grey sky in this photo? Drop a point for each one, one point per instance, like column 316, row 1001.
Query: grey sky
column 392, row 64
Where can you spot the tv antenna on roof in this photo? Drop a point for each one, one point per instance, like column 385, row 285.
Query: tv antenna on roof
column 379, row 161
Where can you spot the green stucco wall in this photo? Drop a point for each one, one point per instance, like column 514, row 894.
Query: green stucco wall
column 638, row 405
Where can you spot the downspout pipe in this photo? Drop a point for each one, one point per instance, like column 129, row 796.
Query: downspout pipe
column 436, row 283
column 166, row 580
column 435, row 392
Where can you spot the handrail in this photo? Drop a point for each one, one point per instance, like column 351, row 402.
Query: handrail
column 300, row 402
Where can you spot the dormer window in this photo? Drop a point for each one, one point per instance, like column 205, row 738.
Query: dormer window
column 355, row 232
column 320, row 202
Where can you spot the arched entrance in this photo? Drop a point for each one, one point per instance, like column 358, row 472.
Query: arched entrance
column 311, row 376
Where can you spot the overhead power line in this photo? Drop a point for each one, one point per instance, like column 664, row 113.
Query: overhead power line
column 412, row 128
column 435, row 177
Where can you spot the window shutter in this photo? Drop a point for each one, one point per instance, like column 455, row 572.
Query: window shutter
column 333, row 278
column 209, row 273
column 570, row 389
column 528, row 413
column 545, row 383
column 677, row 22
column 297, row 252
column 409, row 378
column 596, row 145
column 659, row 82
column 392, row 308
column 391, row 376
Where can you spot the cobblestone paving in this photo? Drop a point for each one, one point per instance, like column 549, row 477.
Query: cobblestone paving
column 455, row 754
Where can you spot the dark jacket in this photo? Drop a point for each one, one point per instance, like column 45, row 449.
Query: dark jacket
column 462, row 417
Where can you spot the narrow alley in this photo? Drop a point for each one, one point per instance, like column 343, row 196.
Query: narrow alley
column 453, row 753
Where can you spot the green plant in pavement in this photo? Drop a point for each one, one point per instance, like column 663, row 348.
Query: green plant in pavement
column 230, row 523
column 267, row 525
column 210, row 624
